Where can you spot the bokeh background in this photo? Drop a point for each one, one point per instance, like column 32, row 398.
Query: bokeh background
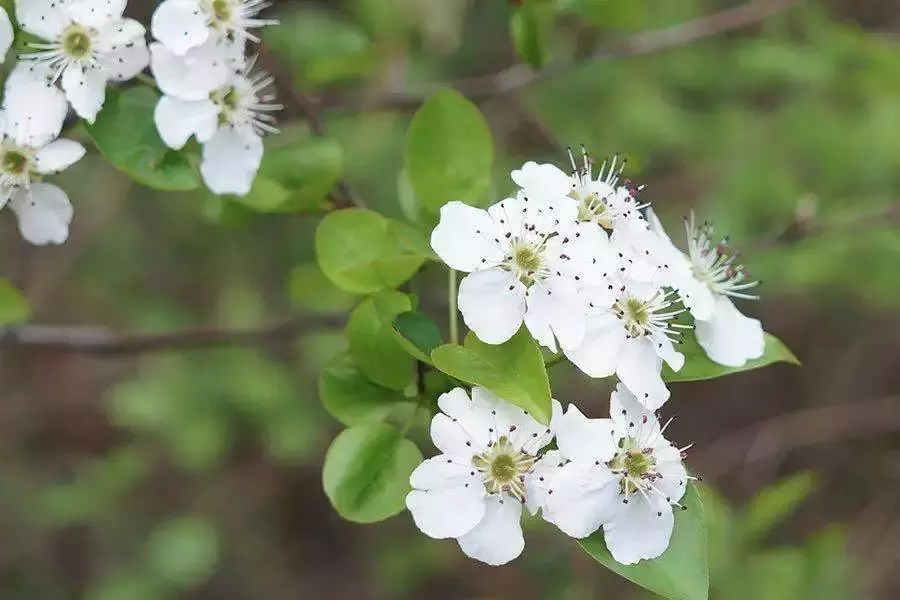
column 141, row 471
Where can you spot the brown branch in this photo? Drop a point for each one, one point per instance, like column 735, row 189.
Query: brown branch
column 643, row 43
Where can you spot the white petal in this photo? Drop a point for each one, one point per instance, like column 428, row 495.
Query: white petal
column 640, row 370
column 192, row 76
column 94, row 13
column 640, row 530
column 598, row 354
column 696, row 296
column 667, row 351
column 180, row 25
column 554, row 309
column 730, row 338
column 585, row 439
column 177, row 120
column 523, row 431
column 492, row 304
column 442, row 473
column 542, row 180
column 498, row 538
column 44, row 213
column 230, row 161
column 585, row 495
column 34, row 111
column 464, row 238
column 6, row 34
column 673, row 483
column 43, row 18
column 57, row 156
column 447, row 513
column 85, row 89
column 126, row 52
column 633, row 419
column 450, row 437
column 538, row 481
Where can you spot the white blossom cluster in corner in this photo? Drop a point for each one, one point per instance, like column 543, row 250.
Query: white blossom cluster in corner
column 618, row 474
column 211, row 90
column 588, row 270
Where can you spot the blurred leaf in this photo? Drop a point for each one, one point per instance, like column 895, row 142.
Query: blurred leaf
column 309, row 289
column 125, row 133
column 320, row 48
column 127, row 585
column 417, row 334
column 775, row 503
column 697, row 366
column 14, row 308
column 449, row 151
column 183, row 551
column 373, row 344
column 514, row 370
column 198, row 442
column 363, row 252
column 351, row 397
column 366, row 473
column 680, row 573
column 292, row 435
column 530, row 28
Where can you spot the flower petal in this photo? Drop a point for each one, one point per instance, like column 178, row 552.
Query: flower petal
column 554, row 311
column 492, row 304
column 43, row 18
column 581, row 438
column 442, row 473
column 641, row 530
column 177, row 120
column 542, row 181
column 6, row 34
column 230, row 161
column 180, row 25
column 34, row 111
column 126, row 52
column 464, row 238
column 94, row 13
column 85, row 89
column 640, row 368
column 598, row 354
column 57, row 156
column 585, row 495
column 538, row 481
column 460, row 437
column 730, row 338
column 44, row 213
column 192, row 76
column 631, row 418
column 447, row 513
column 498, row 538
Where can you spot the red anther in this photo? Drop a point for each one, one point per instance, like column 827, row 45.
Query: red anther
column 683, row 455
column 512, row 428
column 644, row 419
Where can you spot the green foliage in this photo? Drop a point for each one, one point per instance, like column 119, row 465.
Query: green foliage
column 449, row 151
column 125, row 133
column 530, row 28
column 183, row 551
column 14, row 306
column 364, row 252
column 513, row 371
column 775, row 503
column 373, row 344
column 417, row 334
column 697, row 366
column 310, row 290
column 366, row 473
column 681, row 572
column 351, row 397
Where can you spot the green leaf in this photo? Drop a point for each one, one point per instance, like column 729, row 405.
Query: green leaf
column 366, row 473
column 681, row 572
column 14, row 308
column 449, row 151
column 184, row 551
column 351, row 397
column 775, row 503
column 697, row 366
column 125, row 133
column 417, row 334
column 530, row 29
column 514, row 371
column 363, row 252
column 295, row 176
column 309, row 289
column 374, row 345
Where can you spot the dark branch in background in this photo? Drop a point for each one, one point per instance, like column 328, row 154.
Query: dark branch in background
column 346, row 197
column 640, row 44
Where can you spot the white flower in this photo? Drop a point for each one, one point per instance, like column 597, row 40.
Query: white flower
column 473, row 491
column 185, row 24
column 88, row 42
column 525, row 260
column 227, row 112
column 707, row 279
column 632, row 338
column 30, row 121
column 6, row 34
column 619, row 473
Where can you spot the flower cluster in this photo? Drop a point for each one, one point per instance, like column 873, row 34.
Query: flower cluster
column 619, row 474
column 210, row 89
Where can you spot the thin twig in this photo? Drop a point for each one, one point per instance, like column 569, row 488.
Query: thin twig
column 643, row 43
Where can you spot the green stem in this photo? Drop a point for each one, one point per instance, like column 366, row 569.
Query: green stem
column 451, row 300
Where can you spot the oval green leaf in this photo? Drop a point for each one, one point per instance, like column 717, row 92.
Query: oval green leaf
column 530, row 31
column 351, row 397
column 14, row 308
column 309, row 289
column 698, row 366
column 681, row 572
column 373, row 344
column 363, row 252
column 514, row 371
column 366, row 473
column 136, row 148
column 417, row 334
column 184, row 551
column 449, row 151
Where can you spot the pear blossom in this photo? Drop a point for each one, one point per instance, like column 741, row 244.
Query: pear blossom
column 215, row 96
column 6, row 34
column 87, row 43
column 474, row 490
column 620, row 474
column 31, row 119
column 182, row 25
column 707, row 278
column 525, row 265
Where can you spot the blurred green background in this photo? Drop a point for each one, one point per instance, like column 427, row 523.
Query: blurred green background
column 196, row 474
